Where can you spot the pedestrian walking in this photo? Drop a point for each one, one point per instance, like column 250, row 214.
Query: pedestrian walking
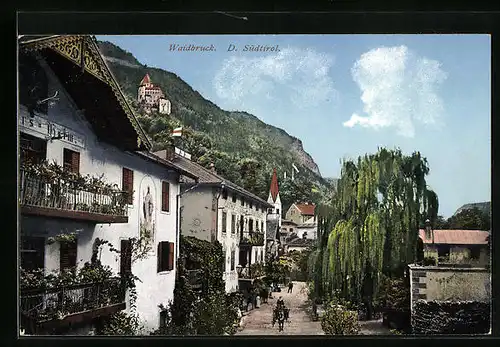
column 290, row 287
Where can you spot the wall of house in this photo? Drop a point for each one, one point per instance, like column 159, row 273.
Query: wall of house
column 98, row 158
column 230, row 239
column 294, row 215
column 197, row 213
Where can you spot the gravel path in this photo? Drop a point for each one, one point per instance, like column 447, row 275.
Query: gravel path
column 259, row 321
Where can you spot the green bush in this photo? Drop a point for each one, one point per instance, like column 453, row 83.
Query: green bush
column 338, row 320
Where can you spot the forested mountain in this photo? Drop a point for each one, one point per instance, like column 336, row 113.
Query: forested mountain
column 243, row 148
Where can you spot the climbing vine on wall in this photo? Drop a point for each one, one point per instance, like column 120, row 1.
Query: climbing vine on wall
column 208, row 311
column 371, row 225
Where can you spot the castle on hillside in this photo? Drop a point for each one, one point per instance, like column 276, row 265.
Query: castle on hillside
column 151, row 97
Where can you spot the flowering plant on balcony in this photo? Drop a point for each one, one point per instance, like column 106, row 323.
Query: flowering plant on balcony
column 56, row 174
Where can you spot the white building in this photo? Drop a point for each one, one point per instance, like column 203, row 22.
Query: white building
column 303, row 215
column 217, row 209
column 88, row 128
column 151, row 97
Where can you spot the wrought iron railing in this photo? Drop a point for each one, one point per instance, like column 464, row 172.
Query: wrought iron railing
column 254, row 271
column 44, row 305
column 66, row 195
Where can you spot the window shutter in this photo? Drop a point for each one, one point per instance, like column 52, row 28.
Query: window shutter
column 125, row 257
column 159, row 257
column 171, row 252
column 128, row 184
column 165, row 196
column 67, row 255
column 75, row 162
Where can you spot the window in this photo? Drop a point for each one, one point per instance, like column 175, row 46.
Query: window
column 225, row 260
column 250, row 204
column 224, row 222
column 233, row 224
column 243, row 258
column 261, row 257
column 165, row 196
column 232, row 259
column 242, row 201
column 475, row 253
column 163, row 318
column 277, row 211
column 71, row 161
column 32, row 149
column 32, row 252
column 67, row 255
column 234, row 197
column 165, row 256
column 250, row 225
column 291, row 230
column 262, row 226
column 224, row 194
column 443, row 251
column 125, row 257
column 128, row 184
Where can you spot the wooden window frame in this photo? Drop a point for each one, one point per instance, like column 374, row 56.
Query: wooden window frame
column 224, row 221
column 165, row 256
column 73, row 165
column 233, row 224
column 125, row 257
column 234, row 198
column 33, row 244
column 165, row 196
column 128, row 184
column 70, row 259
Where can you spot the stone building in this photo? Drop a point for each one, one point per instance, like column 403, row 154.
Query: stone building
column 151, row 98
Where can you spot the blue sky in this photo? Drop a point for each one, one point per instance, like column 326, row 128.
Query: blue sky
column 345, row 95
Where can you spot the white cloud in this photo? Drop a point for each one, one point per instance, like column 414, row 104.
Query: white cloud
column 397, row 88
column 300, row 74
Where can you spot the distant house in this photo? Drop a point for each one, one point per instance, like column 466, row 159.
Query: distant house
column 303, row 216
column 299, row 244
column 457, row 246
column 288, row 228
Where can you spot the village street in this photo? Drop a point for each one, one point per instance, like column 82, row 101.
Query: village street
column 259, row 321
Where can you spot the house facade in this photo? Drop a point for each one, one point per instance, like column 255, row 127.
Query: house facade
column 457, row 246
column 72, row 114
column 217, row 209
column 303, row 215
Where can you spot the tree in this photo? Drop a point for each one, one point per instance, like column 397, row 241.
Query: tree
column 371, row 225
column 470, row 219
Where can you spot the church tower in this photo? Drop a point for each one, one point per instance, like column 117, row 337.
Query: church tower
column 145, row 83
column 274, row 197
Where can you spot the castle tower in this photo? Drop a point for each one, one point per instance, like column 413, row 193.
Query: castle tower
column 145, row 83
column 274, row 196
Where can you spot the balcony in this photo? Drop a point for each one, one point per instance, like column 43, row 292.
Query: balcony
column 252, row 272
column 51, row 308
column 56, row 196
column 255, row 238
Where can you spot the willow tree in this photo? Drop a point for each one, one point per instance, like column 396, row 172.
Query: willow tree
column 371, row 225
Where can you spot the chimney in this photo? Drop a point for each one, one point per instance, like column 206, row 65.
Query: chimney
column 212, row 168
column 167, row 153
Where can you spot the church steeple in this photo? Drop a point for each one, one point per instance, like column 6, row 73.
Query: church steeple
column 274, row 190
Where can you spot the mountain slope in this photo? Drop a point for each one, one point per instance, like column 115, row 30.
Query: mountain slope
column 239, row 134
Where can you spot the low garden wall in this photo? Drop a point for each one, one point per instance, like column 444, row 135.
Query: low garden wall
column 450, row 300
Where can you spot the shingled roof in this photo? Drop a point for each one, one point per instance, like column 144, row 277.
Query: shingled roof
column 456, row 237
column 306, row 209
column 274, row 190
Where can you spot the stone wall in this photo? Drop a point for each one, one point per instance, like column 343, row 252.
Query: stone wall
column 450, row 300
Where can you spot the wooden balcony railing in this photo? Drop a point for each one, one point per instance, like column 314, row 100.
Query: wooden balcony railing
column 63, row 199
column 72, row 303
